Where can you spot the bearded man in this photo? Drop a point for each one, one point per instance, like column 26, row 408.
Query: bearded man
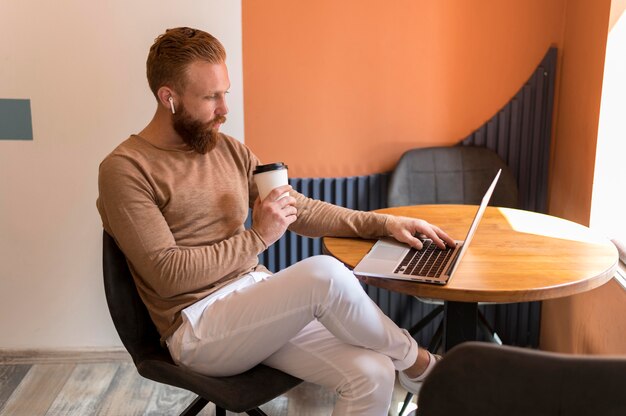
column 175, row 197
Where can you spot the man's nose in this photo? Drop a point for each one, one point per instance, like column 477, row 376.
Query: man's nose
column 222, row 107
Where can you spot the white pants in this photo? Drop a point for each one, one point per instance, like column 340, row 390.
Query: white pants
column 312, row 320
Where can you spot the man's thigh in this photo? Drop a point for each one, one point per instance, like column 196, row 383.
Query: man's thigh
column 317, row 356
column 245, row 327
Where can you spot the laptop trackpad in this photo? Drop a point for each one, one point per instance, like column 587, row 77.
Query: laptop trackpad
column 385, row 252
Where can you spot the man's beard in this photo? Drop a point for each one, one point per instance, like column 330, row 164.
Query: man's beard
column 201, row 137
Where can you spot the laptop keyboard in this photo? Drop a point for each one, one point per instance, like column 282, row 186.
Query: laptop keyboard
column 429, row 261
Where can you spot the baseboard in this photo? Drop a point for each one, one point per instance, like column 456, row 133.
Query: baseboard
column 53, row 356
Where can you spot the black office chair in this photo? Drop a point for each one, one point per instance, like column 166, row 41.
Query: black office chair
column 449, row 175
column 482, row 379
column 240, row 393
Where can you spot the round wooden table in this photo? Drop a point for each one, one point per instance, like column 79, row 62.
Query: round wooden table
column 515, row 256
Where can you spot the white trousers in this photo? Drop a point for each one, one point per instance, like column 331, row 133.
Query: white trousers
column 312, row 320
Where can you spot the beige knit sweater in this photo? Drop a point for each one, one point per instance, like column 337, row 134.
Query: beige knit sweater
column 178, row 216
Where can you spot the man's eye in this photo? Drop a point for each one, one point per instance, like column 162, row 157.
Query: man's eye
column 217, row 96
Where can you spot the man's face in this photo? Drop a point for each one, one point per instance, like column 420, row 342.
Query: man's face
column 201, row 109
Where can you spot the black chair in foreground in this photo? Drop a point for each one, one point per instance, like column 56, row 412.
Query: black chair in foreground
column 483, row 379
column 240, row 393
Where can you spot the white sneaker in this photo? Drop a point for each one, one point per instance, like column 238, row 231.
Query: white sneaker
column 413, row 385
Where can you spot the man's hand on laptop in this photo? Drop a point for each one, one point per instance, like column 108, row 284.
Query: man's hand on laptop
column 405, row 230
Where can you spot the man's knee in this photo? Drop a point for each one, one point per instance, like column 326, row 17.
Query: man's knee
column 326, row 269
column 382, row 372
column 375, row 380
column 327, row 279
column 325, row 264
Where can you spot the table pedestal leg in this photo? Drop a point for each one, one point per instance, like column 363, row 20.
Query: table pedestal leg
column 459, row 323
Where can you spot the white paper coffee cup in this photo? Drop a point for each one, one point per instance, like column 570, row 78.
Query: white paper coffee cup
column 269, row 177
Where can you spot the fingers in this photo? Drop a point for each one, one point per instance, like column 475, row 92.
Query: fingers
column 284, row 207
column 290, row 211
column 405, row 229
column 272, row 215
column 413, row 241
column 405, row 235
column 278, row 192
column 445, row 237
column 280, row 197
column 281, row 204
column 439, row 237
column 286, row 201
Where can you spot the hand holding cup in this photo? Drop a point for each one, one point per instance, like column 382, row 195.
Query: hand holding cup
column 275, row 209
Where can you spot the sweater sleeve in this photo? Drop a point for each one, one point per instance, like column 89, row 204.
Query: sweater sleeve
column 129, row 209
column 319, row 219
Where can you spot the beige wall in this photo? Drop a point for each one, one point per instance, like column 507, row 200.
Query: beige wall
column 82, row 64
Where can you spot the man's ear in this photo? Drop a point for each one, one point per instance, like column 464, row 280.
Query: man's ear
column 167, row 98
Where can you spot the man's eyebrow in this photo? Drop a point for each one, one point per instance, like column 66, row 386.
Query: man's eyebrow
column 214, row 93
column 221, row 91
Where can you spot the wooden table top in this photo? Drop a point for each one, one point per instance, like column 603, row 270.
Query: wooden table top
column 515, row 256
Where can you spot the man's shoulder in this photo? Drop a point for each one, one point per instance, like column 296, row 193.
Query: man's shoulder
column 130, row 152
column 129, row 146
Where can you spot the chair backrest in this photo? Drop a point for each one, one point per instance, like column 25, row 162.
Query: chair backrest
column 487, row 379
column 130, row 316
column 450, row 175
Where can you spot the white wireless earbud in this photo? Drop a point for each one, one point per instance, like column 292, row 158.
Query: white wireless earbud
column 171, row 100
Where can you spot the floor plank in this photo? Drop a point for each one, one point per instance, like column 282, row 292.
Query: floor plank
column 167, row 400
column 84, row 389
column 51, row 356
column 278, row 406
column 37, row 390
column 10, row 377
column 128, row 394
column 116, row 389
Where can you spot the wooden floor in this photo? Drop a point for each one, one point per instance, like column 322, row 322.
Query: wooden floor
column 67, row 385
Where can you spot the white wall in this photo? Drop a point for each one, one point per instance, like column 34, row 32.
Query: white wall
column 607, row 204
column 82, row 65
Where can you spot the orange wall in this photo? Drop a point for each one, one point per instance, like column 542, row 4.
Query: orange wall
column 344, row 88
column 592, row 322
column 576, row 121
column 589, row 323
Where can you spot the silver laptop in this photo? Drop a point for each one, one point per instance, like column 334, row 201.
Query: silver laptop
column 391, row 259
